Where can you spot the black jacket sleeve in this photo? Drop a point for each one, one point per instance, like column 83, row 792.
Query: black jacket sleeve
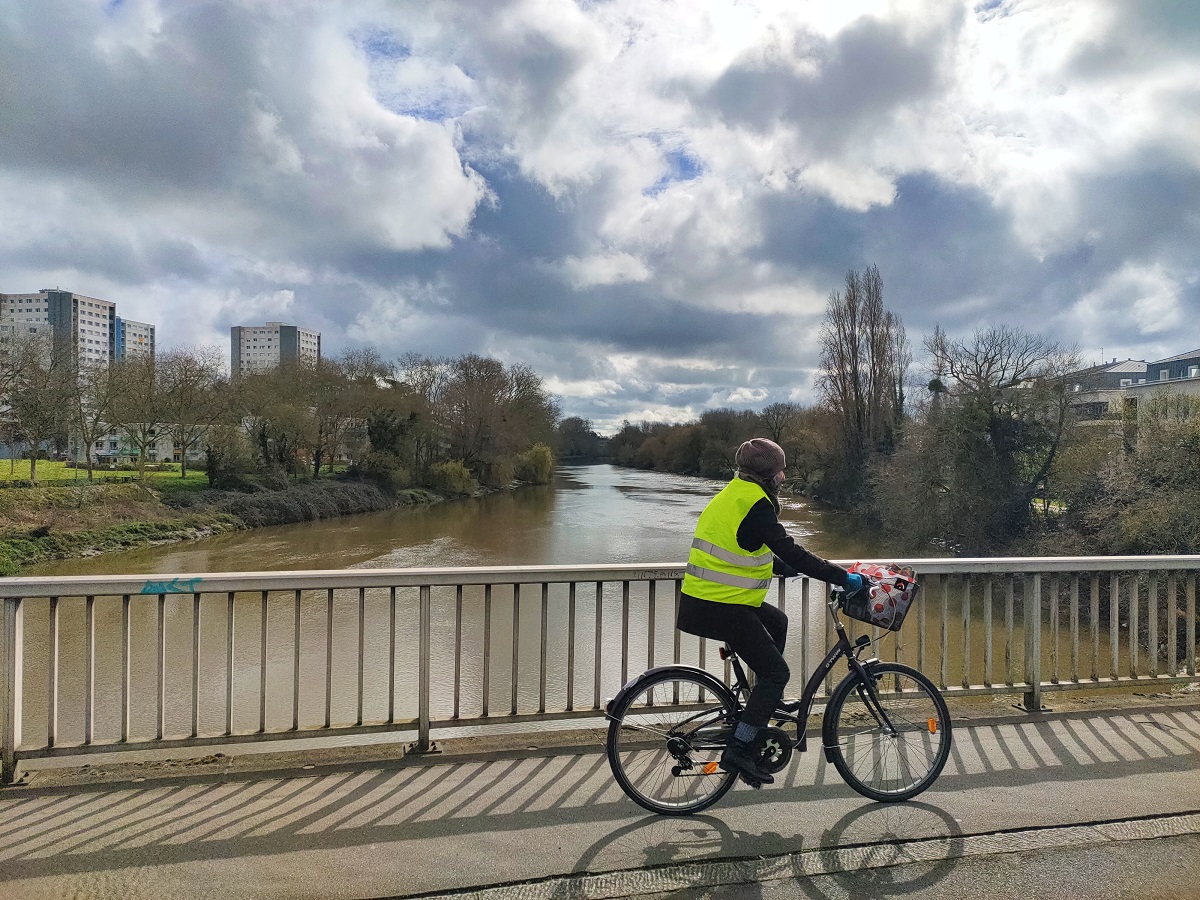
column 762, row 526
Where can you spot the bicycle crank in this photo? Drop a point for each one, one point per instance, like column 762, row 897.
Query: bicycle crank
column 774, row 749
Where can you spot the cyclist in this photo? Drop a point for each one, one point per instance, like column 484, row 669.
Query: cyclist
column 738, row 546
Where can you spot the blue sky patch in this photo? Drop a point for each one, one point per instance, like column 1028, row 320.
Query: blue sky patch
column 382, row 45
column 681, row 166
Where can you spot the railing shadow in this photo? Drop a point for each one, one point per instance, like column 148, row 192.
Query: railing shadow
column 111, row 827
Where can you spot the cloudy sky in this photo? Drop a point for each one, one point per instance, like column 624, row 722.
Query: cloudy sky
column 647, row 201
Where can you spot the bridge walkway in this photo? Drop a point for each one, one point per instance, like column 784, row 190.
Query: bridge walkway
column 550, row 821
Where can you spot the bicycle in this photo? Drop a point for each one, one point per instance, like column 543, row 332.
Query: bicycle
column 885, row 728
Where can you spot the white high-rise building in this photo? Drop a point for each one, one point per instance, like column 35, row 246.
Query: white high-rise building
column 258, row 348
column 83, row 325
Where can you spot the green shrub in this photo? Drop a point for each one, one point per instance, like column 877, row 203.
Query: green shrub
column 536, row 465
column 385, row 469
column 451, row 477
column 498, row 473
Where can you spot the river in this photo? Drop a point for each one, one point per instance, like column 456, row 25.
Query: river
column 590, row 515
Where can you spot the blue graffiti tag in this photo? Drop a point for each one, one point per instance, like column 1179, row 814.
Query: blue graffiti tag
column 174, row 586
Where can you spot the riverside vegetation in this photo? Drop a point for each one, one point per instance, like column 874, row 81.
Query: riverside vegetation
column 293, row 444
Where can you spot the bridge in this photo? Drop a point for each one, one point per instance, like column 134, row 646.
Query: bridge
column 456, row 714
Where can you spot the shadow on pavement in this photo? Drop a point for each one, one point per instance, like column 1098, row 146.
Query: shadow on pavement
column 104, row 828
column 880, row 830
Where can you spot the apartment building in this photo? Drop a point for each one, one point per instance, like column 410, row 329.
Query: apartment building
column 85, row 326
column 1129, row 387
column 133, row 339
column 258, row 348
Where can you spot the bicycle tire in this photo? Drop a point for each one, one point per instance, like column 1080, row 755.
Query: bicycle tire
column 882, row 765
column 666, row 733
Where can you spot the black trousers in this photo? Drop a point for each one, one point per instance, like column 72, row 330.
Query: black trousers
column 756, row 634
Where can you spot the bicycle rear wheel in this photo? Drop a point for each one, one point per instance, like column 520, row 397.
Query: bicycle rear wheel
column 665, row 737
column 890, row 739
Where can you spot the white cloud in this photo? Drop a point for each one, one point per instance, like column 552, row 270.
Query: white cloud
column 747, row 395
column 607, row 268
column 1137, row 302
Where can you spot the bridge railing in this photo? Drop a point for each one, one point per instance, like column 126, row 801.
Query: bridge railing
column 113, row 663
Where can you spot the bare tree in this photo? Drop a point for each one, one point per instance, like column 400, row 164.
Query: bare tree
column 490, row 413
column 93, row 400
column 984, row 446
column 864, row 364
column 778, row 419
column 138, row 409
column 423, row 379
column 189, row 400
column 39, row 379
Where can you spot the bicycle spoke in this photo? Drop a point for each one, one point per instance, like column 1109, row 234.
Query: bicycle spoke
column 665, row 755
column 898, row 759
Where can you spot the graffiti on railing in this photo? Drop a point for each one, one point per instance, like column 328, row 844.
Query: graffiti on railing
column 174, row 586
column 654, row 574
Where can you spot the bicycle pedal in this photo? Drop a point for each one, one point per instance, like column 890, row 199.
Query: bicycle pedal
column 752, row 782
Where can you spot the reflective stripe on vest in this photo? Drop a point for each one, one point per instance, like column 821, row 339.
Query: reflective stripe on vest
column 732, row 558
column 739, row 581
column 718, row 568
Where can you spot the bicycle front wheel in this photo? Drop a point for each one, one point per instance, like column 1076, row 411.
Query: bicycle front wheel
column 889, row 738
column 665, row 738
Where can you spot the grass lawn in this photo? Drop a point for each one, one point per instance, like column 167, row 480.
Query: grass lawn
column 53, row 473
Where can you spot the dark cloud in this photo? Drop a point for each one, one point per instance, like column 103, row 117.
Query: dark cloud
column 141, row 121
column 833, row 88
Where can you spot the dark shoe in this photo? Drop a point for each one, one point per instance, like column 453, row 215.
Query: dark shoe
column 747, row 780
column 740, row 757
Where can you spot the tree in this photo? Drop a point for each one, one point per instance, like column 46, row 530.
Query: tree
column 864, row 364
column 778, row 419
column 423, row 380
column 577, row 439
column 92, row 403
column 138, row 406
column 723, row 430
column 984, row 445
column 490, row 413
column 277, row 419
column 39, row 381
column 190, row 402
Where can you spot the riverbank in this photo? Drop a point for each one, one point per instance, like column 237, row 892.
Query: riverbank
column 52, row 523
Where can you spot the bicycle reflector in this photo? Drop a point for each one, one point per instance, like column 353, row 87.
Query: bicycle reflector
column 933, row 726
column 711, row 767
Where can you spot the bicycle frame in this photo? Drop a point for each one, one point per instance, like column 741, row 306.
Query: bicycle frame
column 799, row 712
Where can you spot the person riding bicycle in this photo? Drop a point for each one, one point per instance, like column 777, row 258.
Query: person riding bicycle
column 738, row 546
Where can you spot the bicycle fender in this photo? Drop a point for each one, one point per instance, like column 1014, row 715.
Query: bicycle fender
column 827, row 736
column 699, row 674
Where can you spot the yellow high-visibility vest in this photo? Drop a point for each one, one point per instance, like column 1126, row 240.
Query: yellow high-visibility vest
column 718, row 569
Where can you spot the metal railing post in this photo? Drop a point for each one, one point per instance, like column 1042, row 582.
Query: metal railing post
column 10, row 698
column 423, row 687
column 1033, row 646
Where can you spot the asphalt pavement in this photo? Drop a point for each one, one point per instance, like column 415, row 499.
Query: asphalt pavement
column 1025, row 804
